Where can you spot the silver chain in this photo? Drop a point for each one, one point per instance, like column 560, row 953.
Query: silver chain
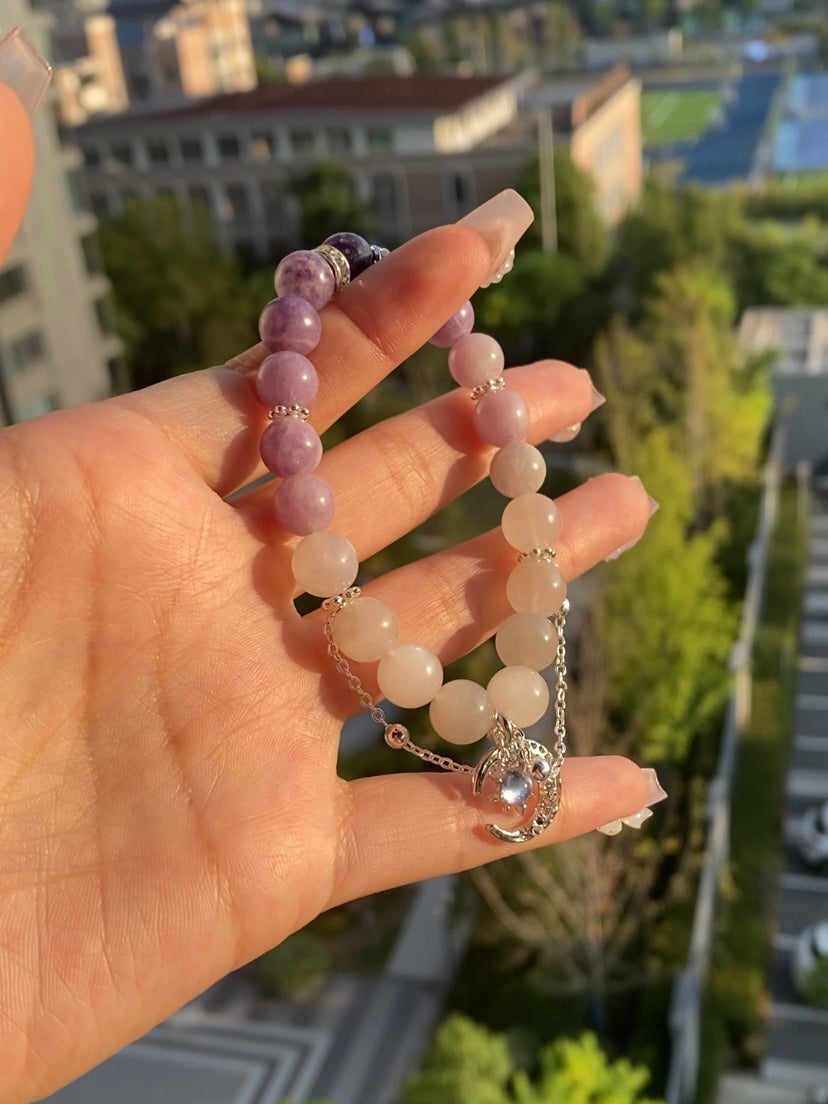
column 396, row 735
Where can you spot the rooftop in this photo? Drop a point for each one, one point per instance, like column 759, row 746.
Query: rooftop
column 418, row 93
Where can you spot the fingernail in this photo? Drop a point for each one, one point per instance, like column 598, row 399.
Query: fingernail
column 23, row 69
column 624, row 548
column 610, row 829
column 597, row 399
column 637, row 819
column 502, row 221
column 655, row 791
column 568, row 434
column 650, row 499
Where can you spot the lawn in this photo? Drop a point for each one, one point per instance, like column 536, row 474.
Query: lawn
column 677, row 116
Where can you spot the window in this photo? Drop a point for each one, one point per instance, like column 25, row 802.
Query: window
column 199, row 195
column 77, row 198
column 91, row 157
column 192, row 150
column 339, row 140
column 31, row 408
column 238, row 201
column 229, row 147
column 99, row 203
column 158, row 153
column 461, row 191
column 103, row 312
column 384, row 196
column 122, row 154
column 380, row 139
column 12, row 282
column 27, row 350
column 261, row 146
column 302, row 141
column 273, row 201
column 92, row 254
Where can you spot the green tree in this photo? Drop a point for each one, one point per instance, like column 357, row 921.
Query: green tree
column 578, row 1071
column 328, row 201
column 466, row 1062
column 180, row 301
column 582, row 235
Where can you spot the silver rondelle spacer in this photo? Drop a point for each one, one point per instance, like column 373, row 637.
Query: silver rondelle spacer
column 565, row 608
column 490, row 385
column 396, row 736
column 337, row 601
column 547, row 554
column 300, row 412
column 338, row 262
column 379, row 253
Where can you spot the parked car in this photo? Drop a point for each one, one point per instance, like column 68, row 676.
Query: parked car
column 809, row 962
column 810, row 836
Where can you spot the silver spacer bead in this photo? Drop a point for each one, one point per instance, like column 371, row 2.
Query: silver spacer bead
column 299, row 412
column 547, row 554
column 490, row 385
column 337, row 601
column 338, row 262
column 396, row 736
column 379, row 253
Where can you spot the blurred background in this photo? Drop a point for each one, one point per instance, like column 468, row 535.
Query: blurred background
column 676, row 155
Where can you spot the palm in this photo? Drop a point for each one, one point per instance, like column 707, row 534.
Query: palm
column 170, row 723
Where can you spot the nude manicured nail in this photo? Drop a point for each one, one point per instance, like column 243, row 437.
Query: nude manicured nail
column 632, row 543
column 612, row 828
column 502, row 221
column 23, row 69
column 597, row 399
column 568, row 434
column 655, row 791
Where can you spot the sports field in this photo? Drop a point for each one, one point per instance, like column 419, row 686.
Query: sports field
column 676, row 116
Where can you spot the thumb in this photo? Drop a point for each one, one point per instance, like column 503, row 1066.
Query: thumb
column 16, row 165
column 24, row 76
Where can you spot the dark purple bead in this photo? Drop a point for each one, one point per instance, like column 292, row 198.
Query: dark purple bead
column 460, row 324
column 290, row 323
column 356, row 251
column 307, row 275
column 289, row 446
column 286, row 379
column 304, row 504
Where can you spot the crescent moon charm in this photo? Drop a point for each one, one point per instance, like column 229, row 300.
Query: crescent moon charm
column 521, row 769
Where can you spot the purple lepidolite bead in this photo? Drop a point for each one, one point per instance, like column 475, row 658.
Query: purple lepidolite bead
column 306, row 275
column 355, row 250
column 289, row 446
column 304, row 504
column 460, row 324
column 286, row 379
column 501, row 417
column 290, row 323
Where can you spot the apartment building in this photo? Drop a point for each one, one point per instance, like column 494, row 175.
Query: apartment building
column 420, row 149
column 57, row 345
column 155, row 51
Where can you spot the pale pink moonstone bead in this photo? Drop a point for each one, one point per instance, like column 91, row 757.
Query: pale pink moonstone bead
column 520, row 694
column 531, row 521
column 409, row 676
column 517, row 469
column 527, row 640
column 324, row 564
column 365, row 629
column 536, row 586
column 501, row 417
column 474, row 359
column 461, row 713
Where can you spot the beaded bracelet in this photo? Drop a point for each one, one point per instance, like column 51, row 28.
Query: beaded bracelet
column 517, row 772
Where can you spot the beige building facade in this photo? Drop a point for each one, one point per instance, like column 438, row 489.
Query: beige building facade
column 420, row 150
column 57, row 346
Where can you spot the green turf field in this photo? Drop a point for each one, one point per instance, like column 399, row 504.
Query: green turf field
column 677, row 116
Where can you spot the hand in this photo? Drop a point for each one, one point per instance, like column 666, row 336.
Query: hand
column 170, row 803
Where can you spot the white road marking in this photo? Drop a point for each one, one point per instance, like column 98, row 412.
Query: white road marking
column 816, row 702
column 807, row 783
column 806, row 883
column 812, row 743
column 812, row 663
